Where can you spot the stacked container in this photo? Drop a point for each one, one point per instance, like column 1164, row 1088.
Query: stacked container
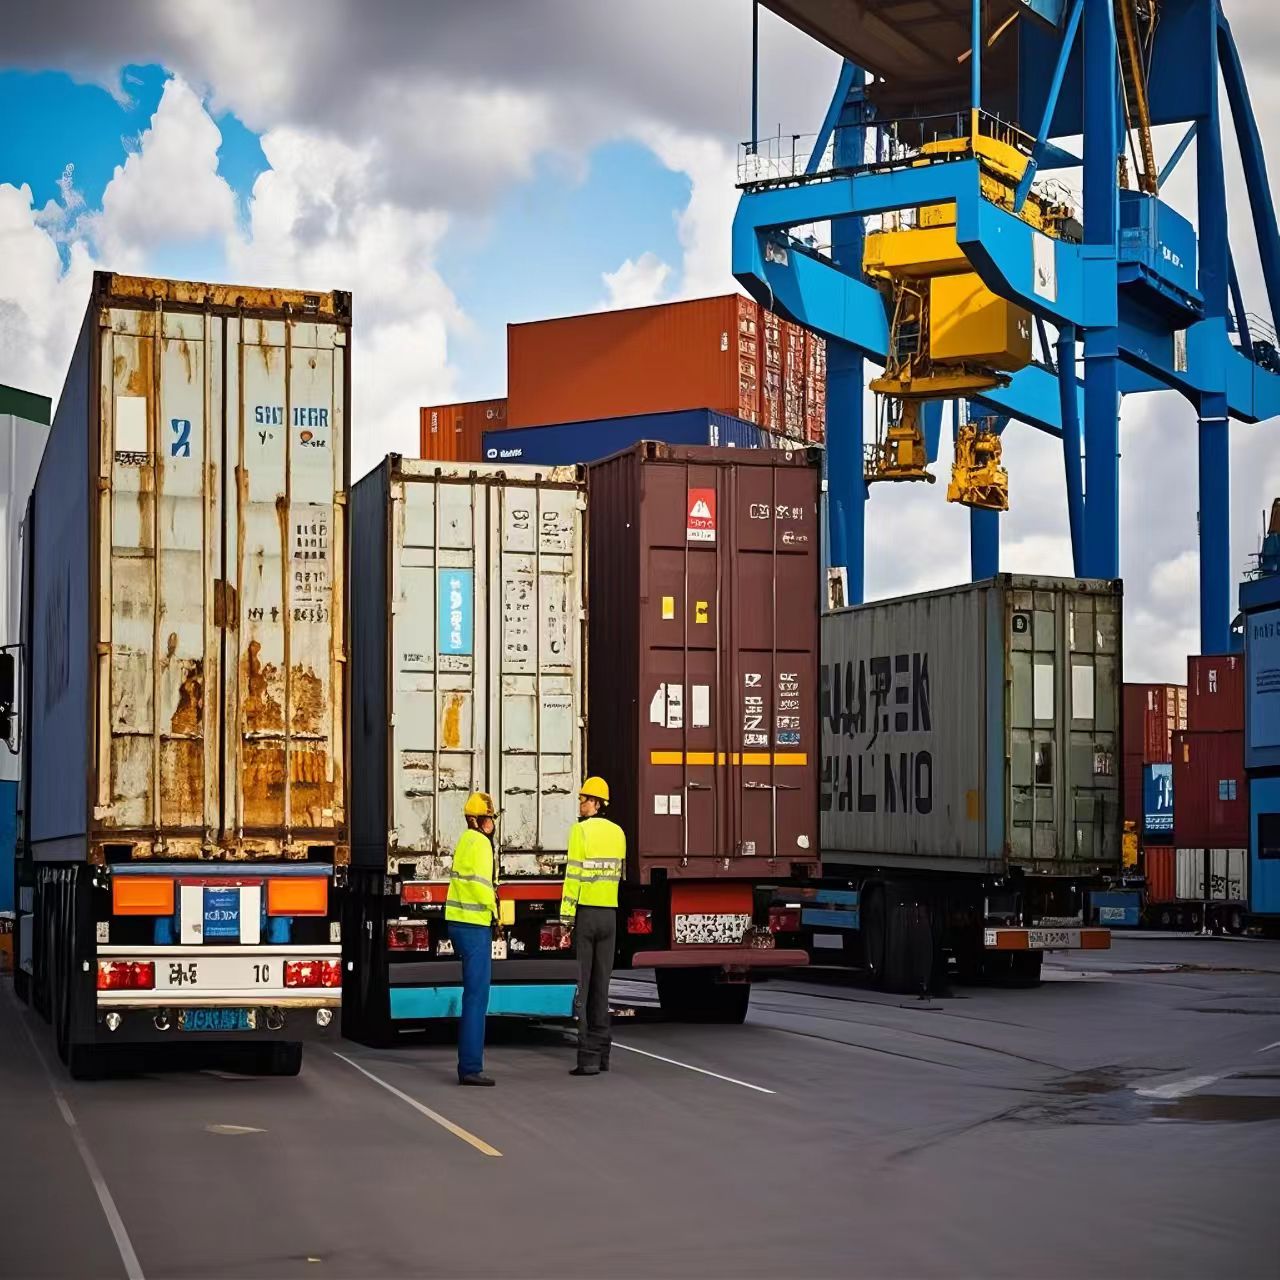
column 1153, row 713
column 453, row 432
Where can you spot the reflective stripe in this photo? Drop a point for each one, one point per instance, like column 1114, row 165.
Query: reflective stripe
column 456, row 875
column 480, row 908
column 603, row 864
column 597, row 877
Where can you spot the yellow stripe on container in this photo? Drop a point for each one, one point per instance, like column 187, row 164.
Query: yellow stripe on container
column 721, row 757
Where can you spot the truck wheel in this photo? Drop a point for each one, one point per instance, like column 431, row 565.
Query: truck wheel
column 872, row 927
column 86, row 1062
column 22, row 985
column 694, row 995
column 281, row 1058
column 1015, row 968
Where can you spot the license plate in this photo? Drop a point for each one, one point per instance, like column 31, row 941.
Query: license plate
column 222, row 913
column 499, row 949
column 217, row 1019
column 723, row 928
column 219, row 973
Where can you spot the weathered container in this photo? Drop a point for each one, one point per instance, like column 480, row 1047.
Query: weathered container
column 1153, row 713
column 454, row 432
column 1131, row 789
column 1211, row 793
column 573, row 442
column 468, row 649
column 1160, row 870
column 1212, row 875
column 975, row 729
column 723, row 353
column 1215, row 693
column 704, row 590
column 186, row 567
column 1262, row 659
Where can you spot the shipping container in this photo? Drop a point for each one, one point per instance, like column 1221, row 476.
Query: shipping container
column 185, row 626
column 975, row 728
column 1215, row 694
column 1196, row 889
column 573, row 442
column 1262, row 661
column 1212, row 875
column 1153, row 713
column 1159, row 869
column 723, row 353
column 1158, row 801
column 1132, row 781
column 1211, row 794
column 454, row 432
column 468, row 621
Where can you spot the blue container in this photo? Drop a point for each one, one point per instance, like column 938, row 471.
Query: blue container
column 597, row 438
column 8, row 841
column 1117, row 908
column 1264, row 846
column 1157, row 803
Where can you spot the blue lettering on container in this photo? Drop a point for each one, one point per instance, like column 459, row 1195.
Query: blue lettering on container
column 180, row 445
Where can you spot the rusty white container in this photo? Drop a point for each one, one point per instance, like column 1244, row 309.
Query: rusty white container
column 469, row 660
column 186, row 576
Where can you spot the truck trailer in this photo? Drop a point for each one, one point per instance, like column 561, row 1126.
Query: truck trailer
column 970, row 790
column 468, row 647
column 184, row 826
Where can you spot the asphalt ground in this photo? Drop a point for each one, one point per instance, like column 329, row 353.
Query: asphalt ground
column 1121, row 1120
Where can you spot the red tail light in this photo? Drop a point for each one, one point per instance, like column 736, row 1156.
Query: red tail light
column 312, row 973
column 126, row 975
column 408, row 937
column 554, row 937
column 640, row 921
column 784, row 920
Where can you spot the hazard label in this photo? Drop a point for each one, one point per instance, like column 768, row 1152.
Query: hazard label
column 701, row 525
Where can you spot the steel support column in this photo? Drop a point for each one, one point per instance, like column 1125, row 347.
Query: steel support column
column 1215, row 527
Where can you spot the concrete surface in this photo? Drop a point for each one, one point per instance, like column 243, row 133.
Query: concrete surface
column 1121, row 1120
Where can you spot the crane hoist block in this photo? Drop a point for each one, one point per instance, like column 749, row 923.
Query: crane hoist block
column 967, row 322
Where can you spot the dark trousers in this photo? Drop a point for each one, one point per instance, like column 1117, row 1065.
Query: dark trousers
column 473, row 944
column 596, row 933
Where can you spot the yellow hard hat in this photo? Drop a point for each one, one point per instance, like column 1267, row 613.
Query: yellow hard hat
column 596, row 788
column 479, row 805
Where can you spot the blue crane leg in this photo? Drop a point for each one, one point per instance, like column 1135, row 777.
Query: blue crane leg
column 1215, row 527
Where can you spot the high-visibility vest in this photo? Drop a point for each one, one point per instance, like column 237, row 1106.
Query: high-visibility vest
column 597, row 856
column 471, row 897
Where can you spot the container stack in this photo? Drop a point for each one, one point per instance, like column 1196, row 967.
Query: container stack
column 1153, row 713
column 757, row 381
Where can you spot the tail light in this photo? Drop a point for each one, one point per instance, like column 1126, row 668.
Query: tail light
column 126, row 975
column 640, row 921
column 408, row 937
column 784, row 920
column 554, row 937
column 312, row 973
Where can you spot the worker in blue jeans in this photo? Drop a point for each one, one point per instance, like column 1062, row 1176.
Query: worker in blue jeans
column 470, row 912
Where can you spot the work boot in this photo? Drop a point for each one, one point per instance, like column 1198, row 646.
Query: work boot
column 580, row 1070
column 477, row 1078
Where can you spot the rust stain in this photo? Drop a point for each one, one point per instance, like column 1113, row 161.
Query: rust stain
column 308, row 700
column 184, row 350
column 200, row 293
column 261, row 710
column 118, row 367
column 451, row 729
column 189, row 715
column 182, row 782
column 173, row 645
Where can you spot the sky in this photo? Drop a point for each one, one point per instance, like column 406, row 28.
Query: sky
column 459, row 166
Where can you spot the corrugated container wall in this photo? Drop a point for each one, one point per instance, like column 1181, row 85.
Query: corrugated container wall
column 975, row 728
column 1159, row 868
column 468, row 649
column 704, row 587
column 574, row 442
column 187, row 577
column 1213, row 875
column 454, row 432
column 1215, row 689
column 1211, row 795
column 723, row 353
column 1153, row 713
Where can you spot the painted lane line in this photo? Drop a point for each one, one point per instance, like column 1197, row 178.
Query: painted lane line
column 132, row 1267
column 457, row 1130
column 1267, row 1047
column 702, row 1071
column 1178, row 1088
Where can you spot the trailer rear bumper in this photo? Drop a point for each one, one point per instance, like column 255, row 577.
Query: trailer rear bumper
column 720, row 958
column 1015, row 939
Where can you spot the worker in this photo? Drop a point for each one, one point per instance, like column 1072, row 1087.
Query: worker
column 470, row 912
column 597, row 856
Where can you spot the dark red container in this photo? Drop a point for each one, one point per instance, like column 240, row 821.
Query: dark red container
column 1160, row 867
column 1152, row 714
column 1215, row 694
column 702, row 687
column 453, row 432
column 1131, row 789
column 1210, row 792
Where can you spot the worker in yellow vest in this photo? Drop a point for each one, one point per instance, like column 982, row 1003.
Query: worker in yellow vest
column 597, row 857
column 470, row 912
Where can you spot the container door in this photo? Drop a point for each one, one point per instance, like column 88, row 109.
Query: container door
column 161, row 556
column 284, row 538
column 535, row 703
column 440, row 621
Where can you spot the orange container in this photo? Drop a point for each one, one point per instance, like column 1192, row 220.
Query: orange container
column 722, row 353
column 1159, row 865
column 452, row 432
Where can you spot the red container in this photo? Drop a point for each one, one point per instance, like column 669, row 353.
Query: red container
column 1131, row 789
column 1210, row 792
column 1215, row 688
column 452, row 432
column 1160, row 867
column 703, row 633
column 1153, row 713
column 722, row 353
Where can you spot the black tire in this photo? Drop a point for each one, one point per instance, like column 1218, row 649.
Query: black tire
column 694, row 995
column 873, row 927
column 86, row 1061
column 281, row 1058
column 1017, row 969
column 22, row 985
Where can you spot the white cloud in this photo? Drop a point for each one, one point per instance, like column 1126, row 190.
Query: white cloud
column 638, row 282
